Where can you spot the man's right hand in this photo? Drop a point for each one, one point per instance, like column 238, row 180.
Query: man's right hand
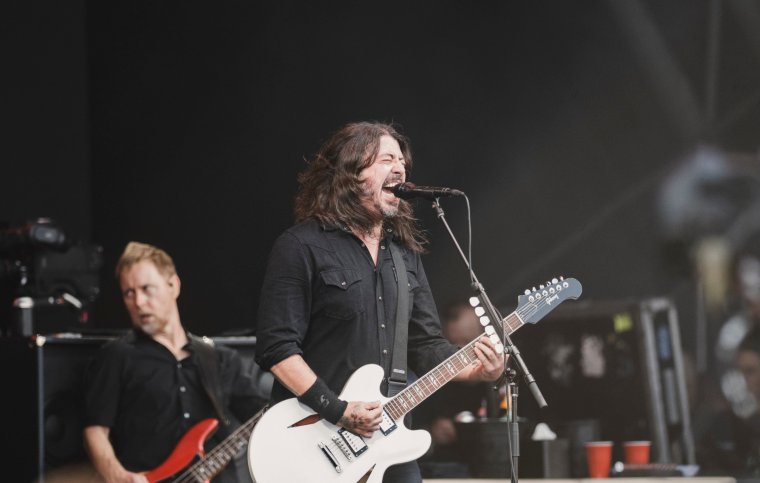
column 125, row 476
column 362, row 418
column 104, row 459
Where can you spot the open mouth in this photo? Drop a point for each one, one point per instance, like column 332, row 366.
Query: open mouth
column 389, row 188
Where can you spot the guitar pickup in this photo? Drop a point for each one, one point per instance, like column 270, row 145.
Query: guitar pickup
column 355, row 443
column 387, row 425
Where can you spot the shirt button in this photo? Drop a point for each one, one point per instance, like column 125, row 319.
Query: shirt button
column 343, row 283
column 179, row 365
column 380, row 297
column 385, row 351
column 182, row 389
column 187, row 415
column 382, row 247
column 382, row 326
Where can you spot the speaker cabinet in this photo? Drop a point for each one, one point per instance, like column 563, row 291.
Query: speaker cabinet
column 43, row 402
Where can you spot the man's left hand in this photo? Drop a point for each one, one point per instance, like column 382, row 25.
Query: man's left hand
column 491, row 363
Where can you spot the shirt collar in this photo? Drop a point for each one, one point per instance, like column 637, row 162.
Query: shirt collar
column 388, row 232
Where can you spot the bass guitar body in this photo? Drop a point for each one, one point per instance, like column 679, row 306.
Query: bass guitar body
column 188, row 448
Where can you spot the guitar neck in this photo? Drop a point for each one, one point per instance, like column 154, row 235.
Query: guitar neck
column 219, row 457
column 444, row 372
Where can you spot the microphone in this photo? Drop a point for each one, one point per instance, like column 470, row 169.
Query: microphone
column 408, row 191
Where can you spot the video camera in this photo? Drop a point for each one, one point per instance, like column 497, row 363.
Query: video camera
column 40, row 267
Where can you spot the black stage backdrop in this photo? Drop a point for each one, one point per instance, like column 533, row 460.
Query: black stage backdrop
column 184, row 124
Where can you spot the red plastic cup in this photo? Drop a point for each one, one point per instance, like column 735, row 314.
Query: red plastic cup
column 637, row 452
column 599, row 458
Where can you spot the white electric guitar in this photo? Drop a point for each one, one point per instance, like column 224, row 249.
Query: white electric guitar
column 291, row 443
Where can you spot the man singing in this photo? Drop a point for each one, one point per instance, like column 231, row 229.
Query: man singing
column 329, row 299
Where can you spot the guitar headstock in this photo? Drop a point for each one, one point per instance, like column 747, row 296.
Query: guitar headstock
column 485, row 321
column 535, row 303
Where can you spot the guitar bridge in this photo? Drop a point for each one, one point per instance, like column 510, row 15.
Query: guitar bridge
column 331, row 458
column 355, row 443
column 343, row 447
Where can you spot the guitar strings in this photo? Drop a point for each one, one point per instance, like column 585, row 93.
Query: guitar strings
column 220, row 455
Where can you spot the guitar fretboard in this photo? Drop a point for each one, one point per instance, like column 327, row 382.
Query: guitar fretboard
column 444, row 372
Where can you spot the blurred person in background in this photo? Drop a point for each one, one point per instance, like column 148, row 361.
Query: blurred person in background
column 144, row 391
column 462, row 401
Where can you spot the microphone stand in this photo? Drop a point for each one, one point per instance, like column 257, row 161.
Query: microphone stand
column 513, row 423
column 510, row 348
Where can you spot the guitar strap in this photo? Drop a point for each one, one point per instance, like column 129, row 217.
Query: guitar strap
column 208, row 366
column 397, row 379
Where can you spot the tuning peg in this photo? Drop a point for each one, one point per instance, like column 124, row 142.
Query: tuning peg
column 534, row 289
column 499, row 348
column 494, row 338
column 490, row 330
column 479, row 311
column 561, row 278
column 541, row 286
column 485, row 320
column 474, row 301
column 554, row 280
column 527, row 291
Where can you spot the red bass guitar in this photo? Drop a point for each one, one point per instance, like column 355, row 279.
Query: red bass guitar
column 191, row 446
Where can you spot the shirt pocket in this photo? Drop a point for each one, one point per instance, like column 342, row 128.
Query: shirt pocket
column 341, row 296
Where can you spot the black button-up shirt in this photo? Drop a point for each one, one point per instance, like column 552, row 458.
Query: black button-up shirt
column 325, row 299
column 137, row 388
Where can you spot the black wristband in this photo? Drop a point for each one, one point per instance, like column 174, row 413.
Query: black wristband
column 320, row 398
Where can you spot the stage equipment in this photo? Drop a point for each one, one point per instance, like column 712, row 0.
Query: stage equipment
column 510, row 348
column 42, row 272
column 615, row 368
column 44, row 402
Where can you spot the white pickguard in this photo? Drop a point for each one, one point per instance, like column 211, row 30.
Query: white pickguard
column 280, row 453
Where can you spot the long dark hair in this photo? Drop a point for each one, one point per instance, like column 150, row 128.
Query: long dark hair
column 330, row 190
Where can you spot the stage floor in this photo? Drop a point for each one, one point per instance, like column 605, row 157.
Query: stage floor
column 698, row 479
